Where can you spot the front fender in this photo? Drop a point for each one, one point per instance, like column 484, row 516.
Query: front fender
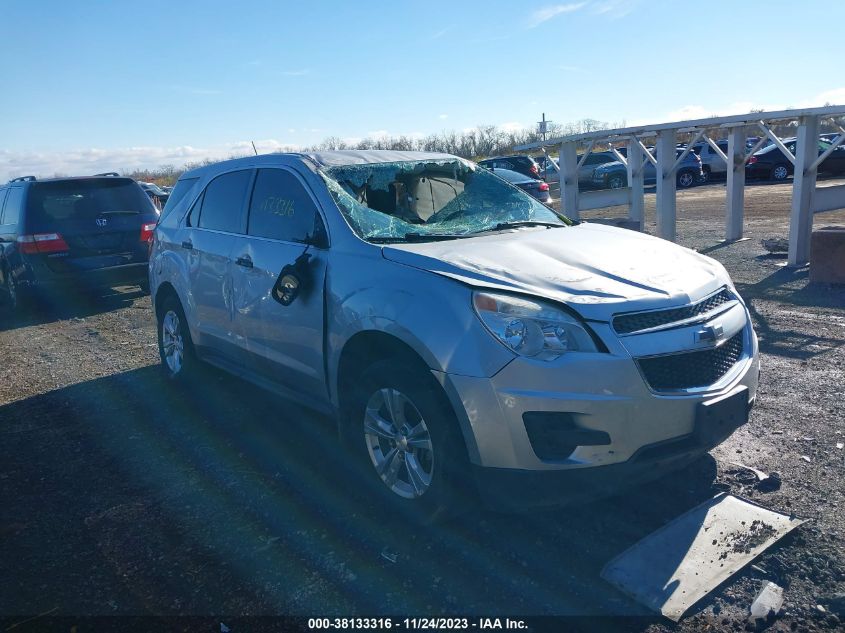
column 430, row 313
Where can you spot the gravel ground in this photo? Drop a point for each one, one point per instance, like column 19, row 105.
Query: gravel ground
column 122, row 495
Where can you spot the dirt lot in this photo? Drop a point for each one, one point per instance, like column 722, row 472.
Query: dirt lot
column 122, row 495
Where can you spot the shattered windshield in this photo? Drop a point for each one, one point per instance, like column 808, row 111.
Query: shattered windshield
column 431, row 199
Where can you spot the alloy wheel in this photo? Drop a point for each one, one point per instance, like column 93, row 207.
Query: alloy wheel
column 686, row 179
column 399, row 443
column 172, row 341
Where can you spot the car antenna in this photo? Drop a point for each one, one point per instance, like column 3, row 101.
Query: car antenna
column 253, row 148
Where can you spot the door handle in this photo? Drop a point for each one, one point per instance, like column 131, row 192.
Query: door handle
column 245, row 261
column 188, row 244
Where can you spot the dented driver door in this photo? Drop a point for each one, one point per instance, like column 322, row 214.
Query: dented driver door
column 284, row 342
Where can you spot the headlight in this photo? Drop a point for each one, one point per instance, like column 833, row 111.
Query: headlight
column 531, row 328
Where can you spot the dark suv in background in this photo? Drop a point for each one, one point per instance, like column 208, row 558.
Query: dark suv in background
column 72, row 232
column 524, row 165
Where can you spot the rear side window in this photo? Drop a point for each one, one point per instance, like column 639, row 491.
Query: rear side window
column 180, row 191
column 12, row 208
column 223, row 202
column 281, row 208
column 3, row 193
column 65, row 200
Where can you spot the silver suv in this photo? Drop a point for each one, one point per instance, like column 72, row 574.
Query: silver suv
column 464, row 336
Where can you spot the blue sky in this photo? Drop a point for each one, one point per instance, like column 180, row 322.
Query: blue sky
column 119, row 84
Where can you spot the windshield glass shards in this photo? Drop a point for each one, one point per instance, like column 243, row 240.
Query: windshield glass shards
column 422, row 200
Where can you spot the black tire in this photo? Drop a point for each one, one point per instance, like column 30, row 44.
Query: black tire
column 11, row 302
column 617, row 181
column 780, row 172
column 170, row 316
column 450, row 486
column 144, row 285
column 686, row 178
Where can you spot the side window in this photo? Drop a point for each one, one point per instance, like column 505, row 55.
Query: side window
column 12, row 208
column 179, row 193
column 281, row 208
column 223, row 202
column 2, row 200
column 598, row 159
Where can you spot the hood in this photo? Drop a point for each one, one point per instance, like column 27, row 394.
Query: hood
column 597, row 270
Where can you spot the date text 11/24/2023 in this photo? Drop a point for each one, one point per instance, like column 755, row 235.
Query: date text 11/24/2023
column 422, row 623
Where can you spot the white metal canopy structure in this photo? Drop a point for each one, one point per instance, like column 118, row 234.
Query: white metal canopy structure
column 807, row 199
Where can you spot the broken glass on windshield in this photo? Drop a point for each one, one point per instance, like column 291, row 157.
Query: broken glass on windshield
column 429, row 199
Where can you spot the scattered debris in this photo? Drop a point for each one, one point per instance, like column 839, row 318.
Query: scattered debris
column 769, row 601
column 770, row 483
column 224, row 628
column 840, row 445
column 389, row 555
column 761, row 476
column 835, row 603
column 806, row 459
column 775, row 245
column 673, row 568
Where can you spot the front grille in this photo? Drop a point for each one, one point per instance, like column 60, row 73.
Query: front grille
column 690, row 370
column 636, row 321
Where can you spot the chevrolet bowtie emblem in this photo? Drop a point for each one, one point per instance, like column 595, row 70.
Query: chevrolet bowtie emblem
column 709, row 333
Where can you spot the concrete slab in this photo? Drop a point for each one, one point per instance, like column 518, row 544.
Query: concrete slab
column 673, row 568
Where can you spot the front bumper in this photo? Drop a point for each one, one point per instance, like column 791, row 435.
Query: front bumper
column 507, row 488
column 602, row 392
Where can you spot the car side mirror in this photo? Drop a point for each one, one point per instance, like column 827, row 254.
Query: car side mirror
column 292, row 280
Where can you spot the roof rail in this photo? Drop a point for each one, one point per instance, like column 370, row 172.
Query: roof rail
column 23, row 179
column 108, row 173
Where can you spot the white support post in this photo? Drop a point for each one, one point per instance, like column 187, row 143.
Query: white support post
column 666, row 203
column 635, row 182
column 569, row 180
column 803, row 189
column 735, row 198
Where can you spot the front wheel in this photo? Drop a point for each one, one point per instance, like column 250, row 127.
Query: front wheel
column 686, row 179
column 406, row 437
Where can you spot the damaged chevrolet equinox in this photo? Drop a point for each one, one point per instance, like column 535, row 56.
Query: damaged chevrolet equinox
column 467, row 338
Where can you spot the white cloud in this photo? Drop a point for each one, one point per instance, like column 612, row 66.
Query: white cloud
column 511, row 126
column 443, row 116
column 835, row 96
column 614, row 8
column 442, row 32
column 547, row 13
column 80, row 162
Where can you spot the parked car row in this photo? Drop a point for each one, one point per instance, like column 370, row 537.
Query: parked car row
column 462, row 335
column 614, row 175
column 602, row 169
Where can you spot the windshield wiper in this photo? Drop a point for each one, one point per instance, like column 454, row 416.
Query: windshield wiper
column 414, row 237
column 501, row 226
column 432, row 237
